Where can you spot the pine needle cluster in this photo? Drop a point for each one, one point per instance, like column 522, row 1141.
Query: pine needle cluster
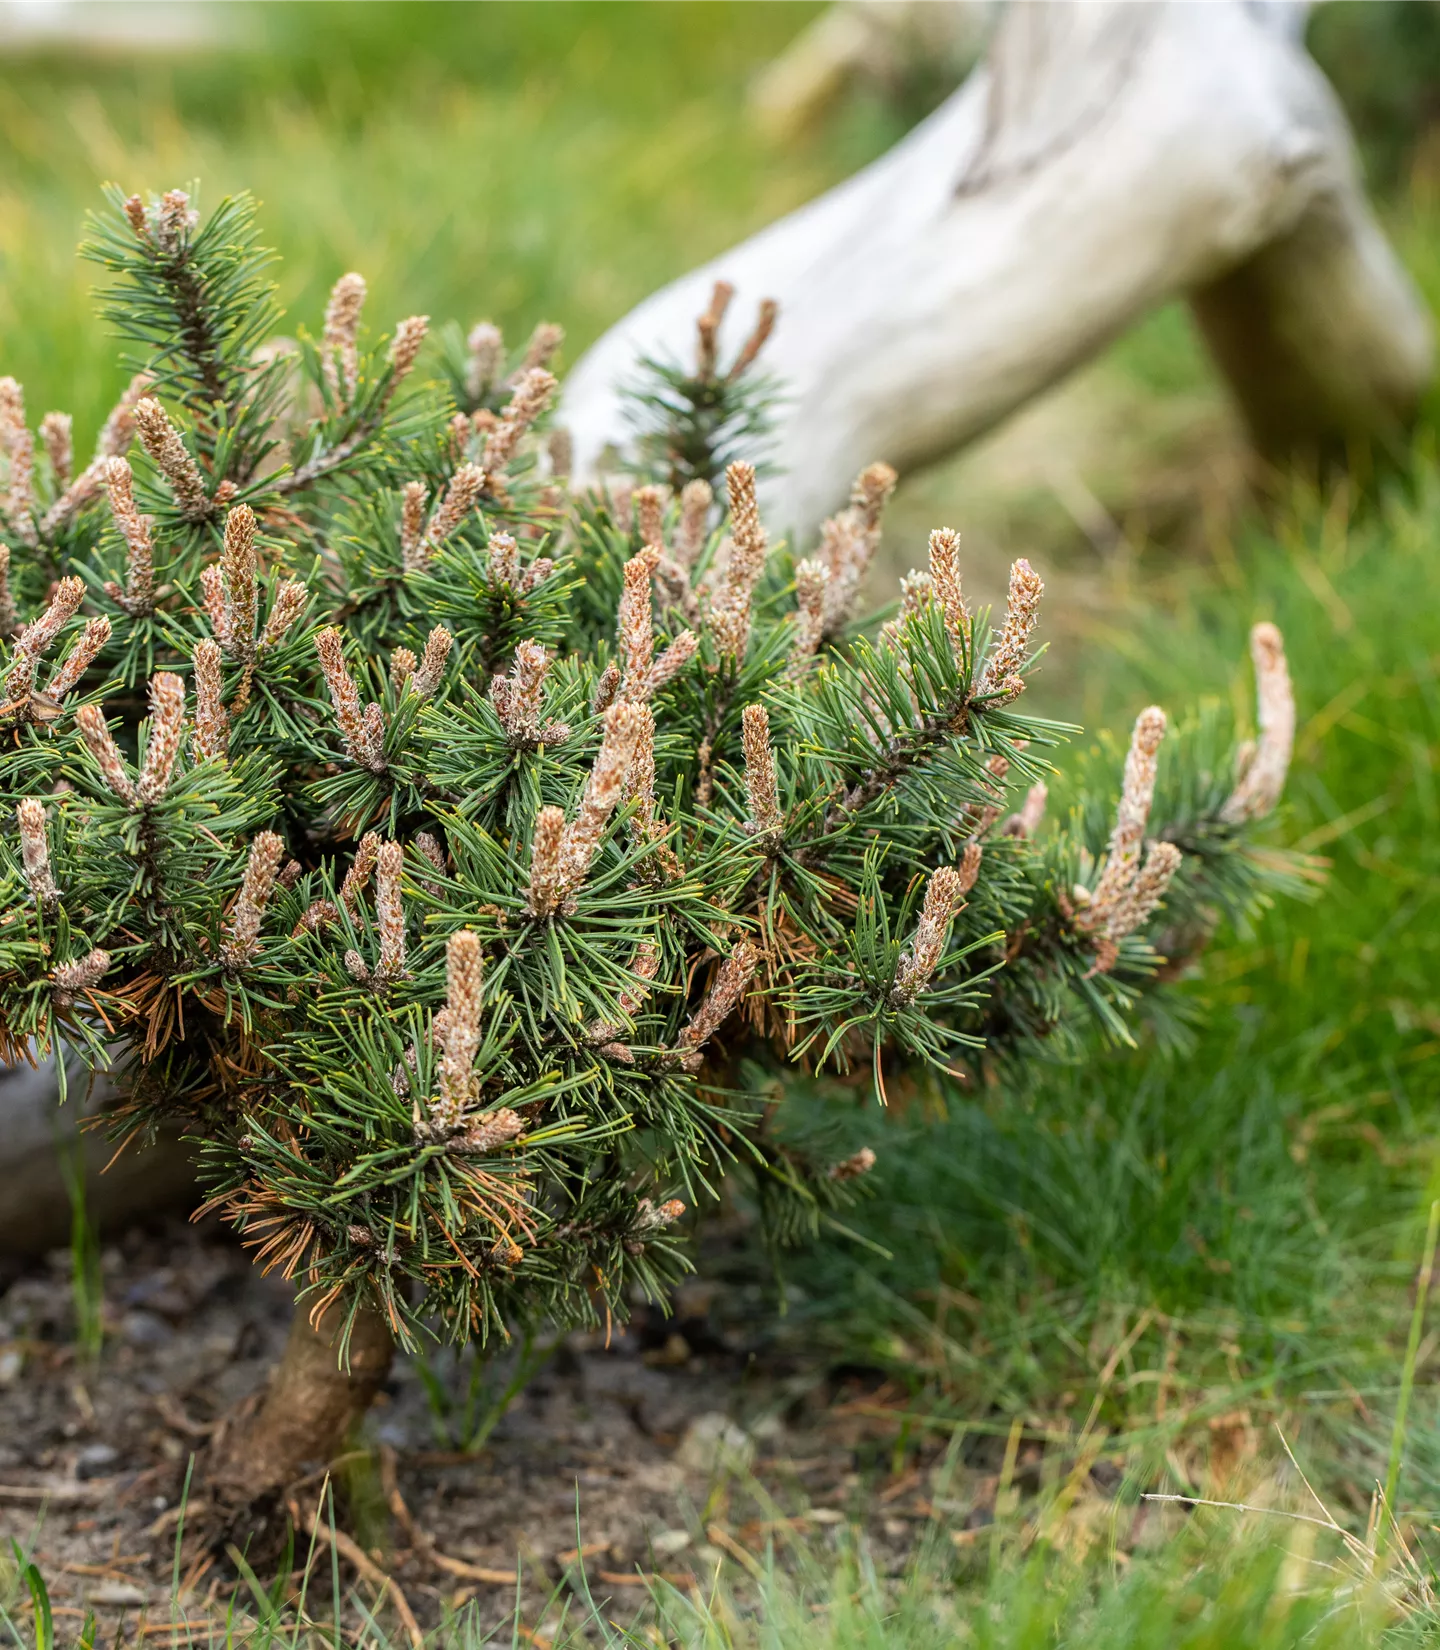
column 689, row 421
column 467, row 865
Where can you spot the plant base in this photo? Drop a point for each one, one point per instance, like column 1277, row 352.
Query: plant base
column 303, row 1419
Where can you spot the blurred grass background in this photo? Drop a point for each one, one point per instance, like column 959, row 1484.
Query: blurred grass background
column 511, row 161
column 1173, row 1241
column 560, row 161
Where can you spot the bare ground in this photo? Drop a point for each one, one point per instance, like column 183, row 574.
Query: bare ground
column 642, row 1444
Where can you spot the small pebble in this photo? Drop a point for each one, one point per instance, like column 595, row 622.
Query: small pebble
column 713, row 1444
column 146, row 1329
column 95, row 1460
column 676, row 1351
column 116, row 1593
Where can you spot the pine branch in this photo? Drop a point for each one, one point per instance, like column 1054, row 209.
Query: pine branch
column 458, row 858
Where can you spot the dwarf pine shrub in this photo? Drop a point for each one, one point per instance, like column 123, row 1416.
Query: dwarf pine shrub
column 465, row 860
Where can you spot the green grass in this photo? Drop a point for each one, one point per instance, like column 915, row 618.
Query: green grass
column 1236, row 1226
column 87, row 1288
column 1278, row 1585
column 507, row 161
column 1244, row 1218
column 1207, row 1596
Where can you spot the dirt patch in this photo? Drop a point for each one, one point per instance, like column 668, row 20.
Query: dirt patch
column 681, row 1444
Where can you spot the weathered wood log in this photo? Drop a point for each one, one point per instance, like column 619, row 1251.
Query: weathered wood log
column 1102, row 159
column 37, row 1132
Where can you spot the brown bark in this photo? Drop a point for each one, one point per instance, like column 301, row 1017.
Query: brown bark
column 305, row 1416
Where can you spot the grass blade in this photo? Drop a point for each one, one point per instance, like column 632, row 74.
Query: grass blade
column 1407, row 1374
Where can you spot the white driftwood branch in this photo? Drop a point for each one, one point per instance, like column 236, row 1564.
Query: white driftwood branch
column 1103, row 159
column 35, row 1129
column 887, row 43
column 879, row 42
